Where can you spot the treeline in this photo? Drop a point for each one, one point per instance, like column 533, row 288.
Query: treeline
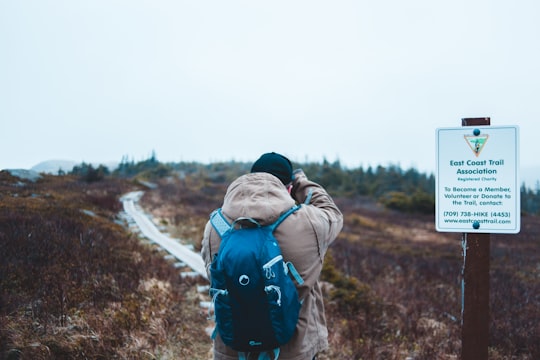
column 404, row 190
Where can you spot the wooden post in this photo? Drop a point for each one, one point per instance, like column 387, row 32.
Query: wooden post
column 475, row 286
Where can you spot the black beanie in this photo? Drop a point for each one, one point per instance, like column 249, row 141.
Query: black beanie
column 275, row 164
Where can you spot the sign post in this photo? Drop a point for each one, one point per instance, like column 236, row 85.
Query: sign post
column 477, row 193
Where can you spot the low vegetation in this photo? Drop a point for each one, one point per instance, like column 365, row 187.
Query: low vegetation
column 392, row 283
column 77, row 285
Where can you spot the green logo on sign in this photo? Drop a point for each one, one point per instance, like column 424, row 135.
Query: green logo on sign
column 476, row 143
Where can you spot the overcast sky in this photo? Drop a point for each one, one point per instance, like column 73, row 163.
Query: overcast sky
column 365, row 82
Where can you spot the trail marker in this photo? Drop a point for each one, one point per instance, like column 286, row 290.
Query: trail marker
column 477, row 193
column 477, row 182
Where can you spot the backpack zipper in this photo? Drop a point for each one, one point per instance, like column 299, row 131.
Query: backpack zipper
column 277, row 290
column 268, row 266
column 272, row 262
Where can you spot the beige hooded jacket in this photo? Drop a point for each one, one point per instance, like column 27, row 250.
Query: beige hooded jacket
column 303, row 237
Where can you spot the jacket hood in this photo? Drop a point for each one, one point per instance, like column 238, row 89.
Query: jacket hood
column 258, row 195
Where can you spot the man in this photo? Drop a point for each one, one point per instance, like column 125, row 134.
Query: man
column 304, row 237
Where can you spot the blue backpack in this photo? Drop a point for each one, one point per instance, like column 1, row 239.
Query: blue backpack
column 256, row 304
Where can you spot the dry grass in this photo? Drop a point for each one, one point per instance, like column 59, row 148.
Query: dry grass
column 393, row 282
column 76, row 285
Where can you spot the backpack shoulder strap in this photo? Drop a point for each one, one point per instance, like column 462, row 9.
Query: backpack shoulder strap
column 218, row 221
column 221, row 225
column 290, row 267
column 283, row 217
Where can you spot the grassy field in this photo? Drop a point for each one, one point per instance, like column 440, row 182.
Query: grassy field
column 75, row 284
column 394, row 283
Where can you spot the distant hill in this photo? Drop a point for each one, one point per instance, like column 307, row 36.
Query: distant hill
column 53, row 166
